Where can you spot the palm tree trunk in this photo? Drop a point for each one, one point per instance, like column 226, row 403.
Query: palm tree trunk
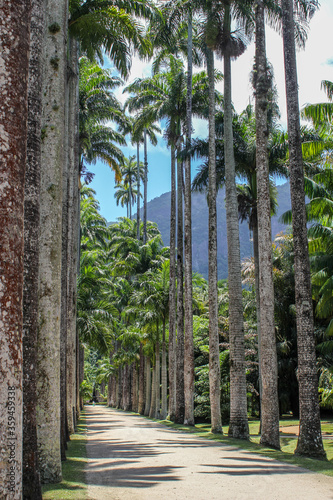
column 164, row 410
column 268, row 356
column 157, row 374
column 148, row 387
column 145, row 194
column 180, row 403
column 14, row 64
column 238, row 426
column 120, row 388
column 310, row 440
column 31, row 476
column 73, row 224
column 188, row 340
column 48, row 413
column 141, row 407
column 172, row 294
column 66, row 425
column 138, row 195
column 257, row 292
column 152, row 410
column 134, row 388
column 130, row 198
column 214, row 358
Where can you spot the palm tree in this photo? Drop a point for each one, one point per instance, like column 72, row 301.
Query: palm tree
column 14, row 34
column 130, row 177
column 269, row 409
column 125, row 195
column 98, row 105
column 103, row 25
column 310, row 440
column 219, row 37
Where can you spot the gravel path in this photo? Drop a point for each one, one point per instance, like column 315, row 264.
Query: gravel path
column 132, row 458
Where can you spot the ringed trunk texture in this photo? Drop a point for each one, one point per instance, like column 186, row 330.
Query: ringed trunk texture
column 268, row 357
column 310, row 439
column 172, row 294
column 214, row 359
column 238, row 426
column 14, row 64
column 72, row 231
column 188, row 334
column 157, row 377
column 53, row 127
column 164, row 408
column 257, row 291
column 31, row 476
column 180, row 402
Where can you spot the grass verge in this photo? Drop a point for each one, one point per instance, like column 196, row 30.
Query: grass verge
column 72, row 486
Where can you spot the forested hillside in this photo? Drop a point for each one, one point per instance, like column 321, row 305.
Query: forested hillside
column 159, row 207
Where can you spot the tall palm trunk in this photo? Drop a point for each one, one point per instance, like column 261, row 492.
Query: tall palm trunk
column 31, row 476
column 130, row 197
column 238, row 426
column 73, row 223
column 135, row 385
column 188, row 339
column 157, row 374
column 141, row 405
column 148, row 386
column 138, row 191
column 180, row 403
column 145, row 181
column 214, row 359
column 164, row 376
column 14, row 63
column 268, row 356
column 310, row 440
column 65, row 414
column 48, row 383
column 257, row 292
column 172, row 293
column 152, row 410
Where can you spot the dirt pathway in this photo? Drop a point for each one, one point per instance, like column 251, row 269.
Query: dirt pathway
column 131, row 458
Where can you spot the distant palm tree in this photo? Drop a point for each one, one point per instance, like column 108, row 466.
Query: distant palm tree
column 126, row 196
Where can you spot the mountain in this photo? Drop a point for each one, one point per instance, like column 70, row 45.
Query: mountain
column 159, row 212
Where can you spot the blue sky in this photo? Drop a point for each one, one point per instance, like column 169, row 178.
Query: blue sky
column 314, row 65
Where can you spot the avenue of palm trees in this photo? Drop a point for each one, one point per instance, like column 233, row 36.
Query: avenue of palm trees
column 88, row 308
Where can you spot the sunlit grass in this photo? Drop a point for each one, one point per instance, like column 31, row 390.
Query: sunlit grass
column 72, row 486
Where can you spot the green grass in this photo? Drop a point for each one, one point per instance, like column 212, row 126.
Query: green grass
column 288, row 444
column 72, row 486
